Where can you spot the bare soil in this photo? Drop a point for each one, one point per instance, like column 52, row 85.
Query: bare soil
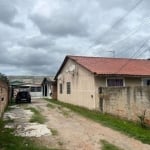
column 73, row 132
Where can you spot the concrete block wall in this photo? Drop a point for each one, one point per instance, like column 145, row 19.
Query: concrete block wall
column 4, row 96
column 127, row 102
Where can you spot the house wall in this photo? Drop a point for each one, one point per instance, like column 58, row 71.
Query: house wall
column 82, row 85
column 101, row 82
column 127, row 102
column 4, row 96
column 54, row 90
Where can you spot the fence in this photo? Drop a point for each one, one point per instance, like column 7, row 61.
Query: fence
column 4, row 96
column 127, row 102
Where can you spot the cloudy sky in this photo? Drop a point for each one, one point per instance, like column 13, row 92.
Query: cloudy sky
column 36, row 35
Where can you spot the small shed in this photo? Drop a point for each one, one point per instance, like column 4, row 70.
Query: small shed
column 47, row 87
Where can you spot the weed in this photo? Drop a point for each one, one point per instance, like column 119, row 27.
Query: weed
column 142, row 119
column 50, row 105
column 54, row 131
column 12, row 102
column 107, row 146
column 60, row 143
column 37, row 116
column 64, row 112
column 8, row 141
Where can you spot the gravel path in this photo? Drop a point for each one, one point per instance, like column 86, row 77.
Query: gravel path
column 71, row 131
column 79, row 133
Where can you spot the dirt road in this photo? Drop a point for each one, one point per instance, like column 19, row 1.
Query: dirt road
column 73, row 132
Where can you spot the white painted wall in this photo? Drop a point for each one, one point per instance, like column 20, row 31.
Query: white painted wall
column 82, row 85
column 36, row 94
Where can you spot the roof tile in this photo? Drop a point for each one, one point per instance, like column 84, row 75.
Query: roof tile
column 114, row 66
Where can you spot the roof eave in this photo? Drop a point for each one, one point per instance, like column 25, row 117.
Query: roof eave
column 62, row 65
column 126, row 75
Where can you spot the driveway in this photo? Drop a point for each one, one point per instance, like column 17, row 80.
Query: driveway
column 73, row 132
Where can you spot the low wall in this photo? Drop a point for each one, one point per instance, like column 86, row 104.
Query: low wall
column 4, row 90
column 127, row 102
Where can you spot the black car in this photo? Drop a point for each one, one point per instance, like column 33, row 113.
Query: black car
column 23, row 96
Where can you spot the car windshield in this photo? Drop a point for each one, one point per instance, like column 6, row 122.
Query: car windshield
column 23, row 94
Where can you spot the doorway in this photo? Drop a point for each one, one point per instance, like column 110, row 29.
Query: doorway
column 45, row 87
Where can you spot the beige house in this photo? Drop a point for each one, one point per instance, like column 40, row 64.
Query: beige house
column 83, row 80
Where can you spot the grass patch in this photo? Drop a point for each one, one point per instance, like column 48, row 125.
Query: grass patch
column 50, row 105
column 64, row 112
column 54, row 131
column 37, row 116
column 12, row 102
column 60, row 143
column 8, row 141
column 107, row 146
column 127, row 127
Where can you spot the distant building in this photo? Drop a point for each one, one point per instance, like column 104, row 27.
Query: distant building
column 47, row 87
column 33, row 84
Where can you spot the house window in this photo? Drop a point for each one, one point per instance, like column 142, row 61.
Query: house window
column 35, row 89
column 115, row 82
column 68, row 88
column 60, row 88
column 146, row 82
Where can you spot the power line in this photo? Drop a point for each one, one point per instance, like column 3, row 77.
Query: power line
column 125, row 38
column 128, row 61
column 121, row 19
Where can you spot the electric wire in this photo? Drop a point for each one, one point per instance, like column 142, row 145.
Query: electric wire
column 128, row 61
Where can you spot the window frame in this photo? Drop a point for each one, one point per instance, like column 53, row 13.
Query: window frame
column 68, row 87
column 145, row 79
column 60, row 88
column 35, row 88
column 115, row 78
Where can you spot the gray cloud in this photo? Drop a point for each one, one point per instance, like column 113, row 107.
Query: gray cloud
column 36, row 42
column 61, row 20
column 62, row 26
column 8, row 12
column 56, row 28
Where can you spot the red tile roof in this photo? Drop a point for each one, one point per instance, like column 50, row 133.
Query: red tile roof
column 114, row 66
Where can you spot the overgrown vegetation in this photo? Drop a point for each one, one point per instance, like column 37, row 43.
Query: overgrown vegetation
column 107, row 146
column 127, row 127
column 37, row 116
column 12, row 102
column 50, row 105
column 142, row 119
column 8, row 141
column 54, row 131
column 64, row 112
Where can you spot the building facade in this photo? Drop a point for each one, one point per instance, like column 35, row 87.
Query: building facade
column 81, row 80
